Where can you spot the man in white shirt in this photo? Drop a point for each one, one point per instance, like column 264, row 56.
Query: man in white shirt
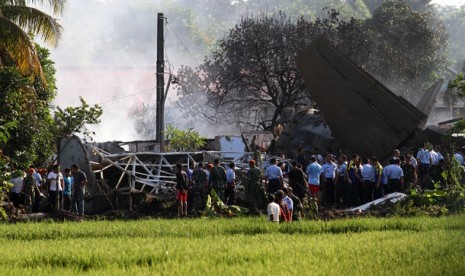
column 425, row 160
column 330, row 174
column 274, row 177
column 273, row 209
column 229, row 192
column 56, row 184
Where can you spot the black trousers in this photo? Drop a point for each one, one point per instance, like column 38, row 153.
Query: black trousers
column 274, row 185
column 230, row 195
column 394, row 185
column 330, row 191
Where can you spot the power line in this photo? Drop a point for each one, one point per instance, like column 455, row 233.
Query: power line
column 182, row 42
column 126, row 96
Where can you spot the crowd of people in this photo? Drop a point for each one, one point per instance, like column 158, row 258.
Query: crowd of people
column 329, row 180
column 63, row 191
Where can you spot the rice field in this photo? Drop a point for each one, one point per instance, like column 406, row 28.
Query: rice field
column 240, row 246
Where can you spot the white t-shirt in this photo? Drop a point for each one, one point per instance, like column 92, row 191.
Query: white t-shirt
column 52, row 176
column 273, row 209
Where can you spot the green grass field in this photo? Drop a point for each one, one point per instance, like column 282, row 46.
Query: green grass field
column 413, row 246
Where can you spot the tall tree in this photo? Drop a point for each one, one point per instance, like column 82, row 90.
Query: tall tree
column 252, row 77
column 18, row 19
column 408, row 47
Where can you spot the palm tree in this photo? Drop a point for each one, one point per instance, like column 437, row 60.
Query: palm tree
column 19, row 20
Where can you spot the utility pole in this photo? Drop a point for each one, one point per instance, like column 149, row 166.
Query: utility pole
column 160, row 82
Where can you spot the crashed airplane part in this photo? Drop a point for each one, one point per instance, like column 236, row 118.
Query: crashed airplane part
column 355, row 105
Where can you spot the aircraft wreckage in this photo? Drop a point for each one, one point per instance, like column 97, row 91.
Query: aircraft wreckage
column 346, row 96
column 357, row 113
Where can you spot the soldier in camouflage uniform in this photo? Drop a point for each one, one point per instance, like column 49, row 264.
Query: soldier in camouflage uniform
column 218, row 179
column 254, row 187
column 200, row 187
column 29, row 189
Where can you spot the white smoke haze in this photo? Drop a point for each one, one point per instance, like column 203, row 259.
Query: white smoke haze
column 107, row 55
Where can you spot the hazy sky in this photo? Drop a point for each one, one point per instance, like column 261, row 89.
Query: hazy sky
column 449, row 2
column 83, row 68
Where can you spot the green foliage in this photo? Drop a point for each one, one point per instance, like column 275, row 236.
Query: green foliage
column 5, row 175
column 408, row 46
column 459, row 83
column 245, row 246
column 183, row 140
column 75, row 119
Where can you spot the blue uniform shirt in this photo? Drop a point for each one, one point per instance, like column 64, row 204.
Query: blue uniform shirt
column 314, row 171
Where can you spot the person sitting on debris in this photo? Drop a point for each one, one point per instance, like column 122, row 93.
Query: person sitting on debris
column 274, row 177
column 29, row 190
column 289, row 204
column 181, row 191
column 229, row 192
column 273, row 209
column 297, row 204
column 284, row 214
column 218, row 179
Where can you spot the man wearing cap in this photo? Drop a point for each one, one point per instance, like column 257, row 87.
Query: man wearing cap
column 254, row 187
column 274, row 177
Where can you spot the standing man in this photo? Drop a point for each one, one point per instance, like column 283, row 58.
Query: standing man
column 200, row 187
column 396, row 177
column 424, row 157
column 30, row 190
column 314, row 172
column 274, row 177
column 298, row 181
column 218, row 179
column 254, row 187
column 79, row 187
column 330, row 173
column 376, row 190
column 229, row 193
column 56, row 184
column 67, row 190
column 181, row 191
column 341, row 183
